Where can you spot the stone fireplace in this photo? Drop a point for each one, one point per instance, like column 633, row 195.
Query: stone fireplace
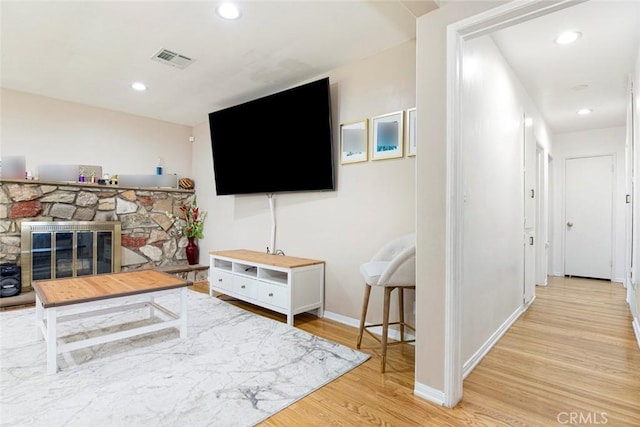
column 59, row 249
column 149, row 238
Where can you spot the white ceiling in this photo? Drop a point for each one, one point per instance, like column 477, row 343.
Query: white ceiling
column 90, row 51
column 603, row 58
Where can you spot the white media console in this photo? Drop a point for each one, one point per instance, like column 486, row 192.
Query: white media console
column 285, row 284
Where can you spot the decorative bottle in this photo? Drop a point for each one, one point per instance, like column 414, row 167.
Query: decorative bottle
column 159, row 167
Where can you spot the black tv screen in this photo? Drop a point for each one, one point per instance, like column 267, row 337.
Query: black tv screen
column 278, row 143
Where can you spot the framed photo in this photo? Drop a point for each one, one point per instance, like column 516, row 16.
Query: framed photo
column 411, row 132
column 354, row 142
column 386, row 142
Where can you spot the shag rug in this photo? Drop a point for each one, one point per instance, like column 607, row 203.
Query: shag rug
column 235, row 368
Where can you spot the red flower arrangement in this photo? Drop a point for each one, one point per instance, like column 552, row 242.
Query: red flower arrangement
column 193, row 219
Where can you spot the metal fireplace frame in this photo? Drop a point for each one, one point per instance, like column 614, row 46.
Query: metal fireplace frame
column 27, row 228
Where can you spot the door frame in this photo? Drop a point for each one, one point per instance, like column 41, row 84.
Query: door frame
column 457, row 33
column 542, row 249
column 613, row 209
column 629, row 193
column 531, row 227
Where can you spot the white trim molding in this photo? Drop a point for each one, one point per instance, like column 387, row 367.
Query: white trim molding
column 428, row 393
column 636, row 329
column 345, row 320
column 470, row 364
column 350, row 321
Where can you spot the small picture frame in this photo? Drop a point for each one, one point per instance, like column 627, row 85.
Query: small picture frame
column 412, row 128
column 387, row 132
column 354, row 142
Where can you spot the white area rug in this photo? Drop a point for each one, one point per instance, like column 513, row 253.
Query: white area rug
column 234, row 369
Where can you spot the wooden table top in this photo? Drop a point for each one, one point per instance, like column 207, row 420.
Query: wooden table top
column 266, row 259
column 75, row 290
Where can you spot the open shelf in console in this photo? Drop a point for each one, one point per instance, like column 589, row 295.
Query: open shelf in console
column 275, row 276
column 245, row 269
column 222, row 264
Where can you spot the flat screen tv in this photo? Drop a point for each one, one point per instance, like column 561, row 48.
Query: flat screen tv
column 278, row 143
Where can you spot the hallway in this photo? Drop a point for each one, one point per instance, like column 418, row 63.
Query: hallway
column 572, row 358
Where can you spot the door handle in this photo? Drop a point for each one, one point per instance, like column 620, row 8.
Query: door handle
column 569, row 224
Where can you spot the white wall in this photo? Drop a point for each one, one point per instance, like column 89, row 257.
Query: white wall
column 493, row 104
column 374, row 201
column 51, row 131
column 584, row 144
column 633, row 291
column 431, row 202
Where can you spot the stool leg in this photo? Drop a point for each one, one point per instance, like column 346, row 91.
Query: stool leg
column 363, row 316
column 385, row 326
column 401, row 311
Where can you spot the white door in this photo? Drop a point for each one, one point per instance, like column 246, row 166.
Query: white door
column 530, row 194
column 588, row 217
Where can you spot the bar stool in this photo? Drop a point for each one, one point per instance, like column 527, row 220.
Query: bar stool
column 392, row 267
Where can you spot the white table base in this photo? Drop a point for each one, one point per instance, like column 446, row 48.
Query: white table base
column 48, row 318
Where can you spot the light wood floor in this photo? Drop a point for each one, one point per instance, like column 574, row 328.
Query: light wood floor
column 571, row 359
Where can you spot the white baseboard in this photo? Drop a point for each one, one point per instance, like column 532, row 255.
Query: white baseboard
column 488, row 345
column 557, row 274
column 350, row 321
column 428, row 393
column 545, row 283
column 636, row 329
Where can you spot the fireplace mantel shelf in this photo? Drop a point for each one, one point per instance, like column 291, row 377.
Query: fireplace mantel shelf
column 89, row 185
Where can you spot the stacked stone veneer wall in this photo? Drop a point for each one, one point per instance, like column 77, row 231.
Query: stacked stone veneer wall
column 150, row 238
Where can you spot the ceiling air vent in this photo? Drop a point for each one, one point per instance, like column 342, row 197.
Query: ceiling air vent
column 171, row 58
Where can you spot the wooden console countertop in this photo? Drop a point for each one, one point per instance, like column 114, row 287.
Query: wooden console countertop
column 283, row 261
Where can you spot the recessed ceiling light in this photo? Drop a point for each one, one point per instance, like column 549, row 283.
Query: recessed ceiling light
column 568, row 37
column 228, row 11
column 585, row 111
column 139, row 86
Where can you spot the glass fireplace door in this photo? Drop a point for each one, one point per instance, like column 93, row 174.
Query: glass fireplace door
column 41, row 256
column 58, row 249
column 63, row 253
column 85, row 264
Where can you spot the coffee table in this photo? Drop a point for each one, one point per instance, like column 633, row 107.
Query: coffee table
column 104, row 294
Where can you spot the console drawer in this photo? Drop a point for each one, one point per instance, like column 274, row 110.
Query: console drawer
column 245, row 286
column 275, row 295
column 221, row 279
